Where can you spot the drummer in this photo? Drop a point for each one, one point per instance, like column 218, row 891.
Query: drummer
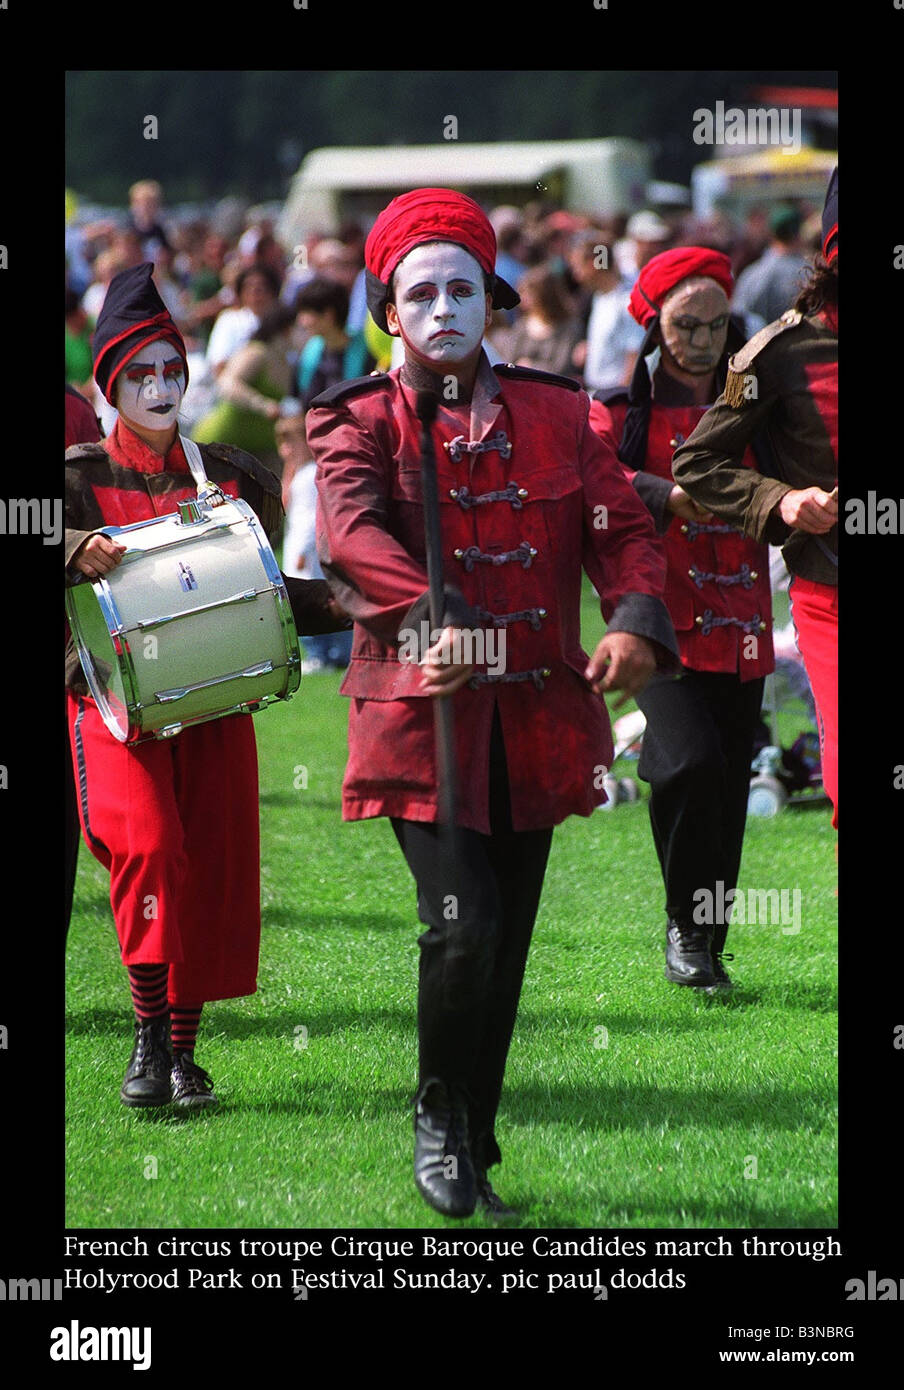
column 175, row 822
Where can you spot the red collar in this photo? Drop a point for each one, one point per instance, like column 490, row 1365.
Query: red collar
column 125, row 447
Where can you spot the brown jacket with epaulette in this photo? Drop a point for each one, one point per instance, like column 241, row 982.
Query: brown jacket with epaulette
column 783, row 383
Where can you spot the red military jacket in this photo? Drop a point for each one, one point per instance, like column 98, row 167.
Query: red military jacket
column 717, row 589
column 528, row 495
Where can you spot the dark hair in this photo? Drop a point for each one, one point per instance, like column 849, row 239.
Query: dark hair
column 551, row 293
column 274, row 322
column 321, row 294
column 821, row 290
column 73, row 302
column 256, row 268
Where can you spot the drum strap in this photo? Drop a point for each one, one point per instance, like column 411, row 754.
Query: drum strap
column 195, row 462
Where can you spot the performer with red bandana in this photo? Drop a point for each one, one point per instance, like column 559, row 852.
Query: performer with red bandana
column 174, row 821
column 528, row 495
column 784, row 385
column 698, row 740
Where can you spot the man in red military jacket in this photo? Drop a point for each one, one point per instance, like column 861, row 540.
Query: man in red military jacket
column 528, row 495
column 699, row 733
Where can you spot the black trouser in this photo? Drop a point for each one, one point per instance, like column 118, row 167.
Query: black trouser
column 696, row 755
column 478, row 897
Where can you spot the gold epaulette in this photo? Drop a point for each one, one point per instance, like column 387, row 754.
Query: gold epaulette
column 740, row 384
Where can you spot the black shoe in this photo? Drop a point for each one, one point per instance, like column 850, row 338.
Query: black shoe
column 147, row 1080
column 490, row 1201
column 687, row 955
column 192, row 1087
column 722, row 979
column 443, row 1171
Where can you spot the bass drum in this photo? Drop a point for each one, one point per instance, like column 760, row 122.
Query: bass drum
column 194, row 623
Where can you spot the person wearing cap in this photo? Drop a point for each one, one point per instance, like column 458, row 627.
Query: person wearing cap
column 646, row 234
column 783, row 387
column 699, row 734
column 767, row 288
column 527, row 495
column 175, row 822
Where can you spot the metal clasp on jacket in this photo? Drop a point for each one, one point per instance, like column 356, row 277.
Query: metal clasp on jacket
column 524, row 555
column 511, row 493
column 538, row 675
column 745, row 576
column 459, row 446
column 709, row 621
column 534, row 616
column 692, row 529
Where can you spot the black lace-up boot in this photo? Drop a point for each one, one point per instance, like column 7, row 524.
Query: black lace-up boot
column 192, row 1087
column 147, row 1080
column 443, row 1171
column 688, row 959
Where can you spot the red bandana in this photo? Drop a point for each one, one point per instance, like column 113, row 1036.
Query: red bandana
column 428, row 214
column 663, row 272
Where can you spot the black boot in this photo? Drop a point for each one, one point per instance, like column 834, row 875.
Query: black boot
column 443, row 1171
column 147, row 1080
column 192, row 1088
column 688, row 960
column 490, row 1201
column 719, row 954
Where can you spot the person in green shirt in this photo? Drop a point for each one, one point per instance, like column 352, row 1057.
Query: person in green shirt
column 79, row 359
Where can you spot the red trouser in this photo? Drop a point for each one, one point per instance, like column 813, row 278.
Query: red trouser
column 814, row 608
column 175, row 821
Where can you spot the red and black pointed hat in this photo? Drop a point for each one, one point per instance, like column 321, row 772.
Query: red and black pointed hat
column 133, row 315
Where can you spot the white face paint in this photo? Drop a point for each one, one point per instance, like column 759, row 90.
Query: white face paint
column 440, row 305
column 694, row 324
column 150, row 387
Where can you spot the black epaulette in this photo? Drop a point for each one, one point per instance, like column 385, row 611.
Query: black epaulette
column 76, row 452
column 356, row 386
column 531, row 374
column 610, row 395
column 740, row 383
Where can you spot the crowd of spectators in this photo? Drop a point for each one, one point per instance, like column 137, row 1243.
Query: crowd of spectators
column 269, row 327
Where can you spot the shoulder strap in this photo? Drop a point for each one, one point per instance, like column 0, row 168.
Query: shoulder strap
column 195, row 462
column 741, row 363
column 344, row 390
column 509, row 369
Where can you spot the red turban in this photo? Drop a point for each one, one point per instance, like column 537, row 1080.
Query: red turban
column 428, row 214
column 663, row 272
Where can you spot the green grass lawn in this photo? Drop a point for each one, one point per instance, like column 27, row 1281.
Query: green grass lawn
column 628, row 1101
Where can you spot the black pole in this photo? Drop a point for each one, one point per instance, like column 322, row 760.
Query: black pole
column 447, row 790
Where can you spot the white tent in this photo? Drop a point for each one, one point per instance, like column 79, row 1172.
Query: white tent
column 593, row 176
